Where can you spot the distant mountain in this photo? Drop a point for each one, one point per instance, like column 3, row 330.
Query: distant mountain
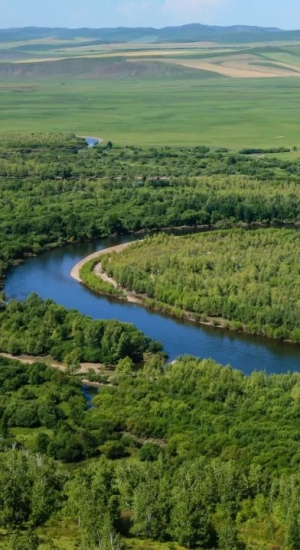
column 186, row 33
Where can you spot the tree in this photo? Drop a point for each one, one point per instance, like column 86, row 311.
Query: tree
column 227, row 536
column 151, row 503
column 150, row 452
column 124, row 367
column 28, row 488
column 41, row 442
column 293, row 531
column 72, row 361
column 93, row 499
column 190, row 518
column 14, row 346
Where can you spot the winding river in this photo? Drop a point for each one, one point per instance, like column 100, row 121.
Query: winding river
column 49, row 276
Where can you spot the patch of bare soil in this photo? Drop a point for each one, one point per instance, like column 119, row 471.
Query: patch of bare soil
column 99, row 368
column 234, row 68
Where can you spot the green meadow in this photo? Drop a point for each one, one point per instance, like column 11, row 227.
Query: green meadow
column 220, row 95
column 211, row 110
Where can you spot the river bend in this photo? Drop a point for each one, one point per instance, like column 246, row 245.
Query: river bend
column 49, row 276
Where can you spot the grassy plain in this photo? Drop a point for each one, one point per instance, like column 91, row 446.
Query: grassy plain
column 214, row 111
column 154, row 94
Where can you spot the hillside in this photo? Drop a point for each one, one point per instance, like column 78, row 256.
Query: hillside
column 98, row 68
column 186, row 33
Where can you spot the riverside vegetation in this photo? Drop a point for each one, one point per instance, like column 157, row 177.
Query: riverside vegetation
column 244, row 280
column 55, row 191
column 36, row 327
column 192, row 454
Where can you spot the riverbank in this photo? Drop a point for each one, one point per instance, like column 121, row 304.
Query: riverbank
column 140, row 299
column 75, row 271
column 123, row 294
column 130, row 297
column 48, row 275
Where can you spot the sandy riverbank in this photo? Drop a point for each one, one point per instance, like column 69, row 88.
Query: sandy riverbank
column 128, row 296
column 75, row 271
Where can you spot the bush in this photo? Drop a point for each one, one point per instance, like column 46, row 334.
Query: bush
column 150, row 452
column 113, row 449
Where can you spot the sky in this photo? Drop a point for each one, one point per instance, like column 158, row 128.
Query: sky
column 155, row 13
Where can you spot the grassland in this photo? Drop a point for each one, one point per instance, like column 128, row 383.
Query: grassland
column 65, row 536
column 162, row 110
column 217, row 94
column 154, row 94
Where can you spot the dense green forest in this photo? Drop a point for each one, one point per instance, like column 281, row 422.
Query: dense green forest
column 197, row 453
column 54, row 190
column 36, row 327
column 43, row 410
column 188, row 455
column 244, row 280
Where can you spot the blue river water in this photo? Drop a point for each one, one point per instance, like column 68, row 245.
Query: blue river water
column 92, row 141
column 49, row 275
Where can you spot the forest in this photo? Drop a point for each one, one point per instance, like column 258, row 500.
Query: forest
column 240, row 279
column 36, row 327
column 54, row 190
column 195, row 454
column 165, row 456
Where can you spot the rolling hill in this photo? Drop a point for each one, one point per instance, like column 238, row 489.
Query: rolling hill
column 100, row 68
column 186, row 33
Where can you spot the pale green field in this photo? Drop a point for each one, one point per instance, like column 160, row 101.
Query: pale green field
column 145, row 95
column 216, row 111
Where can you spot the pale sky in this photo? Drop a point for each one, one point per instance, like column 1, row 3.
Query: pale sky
column 156, row 13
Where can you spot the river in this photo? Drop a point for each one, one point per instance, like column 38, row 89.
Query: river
column 91, row 142
column 49, row 276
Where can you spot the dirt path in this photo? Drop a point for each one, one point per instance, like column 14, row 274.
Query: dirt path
column 84, row 369
column 30, row 359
